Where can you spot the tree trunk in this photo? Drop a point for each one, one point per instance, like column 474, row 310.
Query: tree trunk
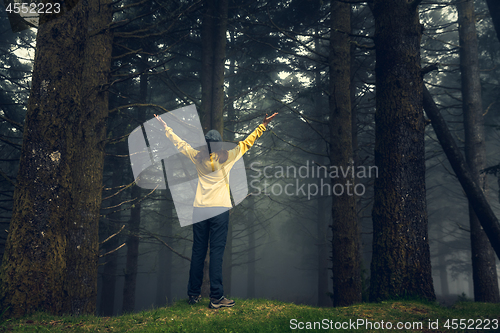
column 135, row 218
column 442, row 264
column 470, row 284
column 475, row 195
column 443, row 277
column 207, row 65
column 164, row 277
column 345, row 241
column 401, row 263
column 484, row 271
column 50, row 261
column 324, row 298
column 128, row 304
column 111, row 260
column 214, row 29
column 213, row 33
column 324, row 210
column 227, row 263
column 443, row 272
column 494, row 8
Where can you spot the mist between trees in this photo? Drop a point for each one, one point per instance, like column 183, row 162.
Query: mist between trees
column 348, row 80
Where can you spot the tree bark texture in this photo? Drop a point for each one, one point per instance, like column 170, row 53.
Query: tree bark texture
column 323, row 202
column 214, row 27
column 484, row 271
column 50, row 262
column 401, row 263
column 345, row 240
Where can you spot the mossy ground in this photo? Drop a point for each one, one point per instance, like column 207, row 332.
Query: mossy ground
column 260, row 315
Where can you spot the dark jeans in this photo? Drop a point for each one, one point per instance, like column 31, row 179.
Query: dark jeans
column 214, row 230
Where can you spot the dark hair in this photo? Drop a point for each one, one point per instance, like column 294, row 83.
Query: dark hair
column 212, row 136
column 220, row 155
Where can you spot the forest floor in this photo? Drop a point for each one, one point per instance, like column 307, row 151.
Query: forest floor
column 260, row 315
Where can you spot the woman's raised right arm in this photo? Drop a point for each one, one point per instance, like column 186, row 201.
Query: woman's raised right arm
column 181, row 145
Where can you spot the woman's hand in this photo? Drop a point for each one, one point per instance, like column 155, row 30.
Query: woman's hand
column 161, row 120
column 267, row 119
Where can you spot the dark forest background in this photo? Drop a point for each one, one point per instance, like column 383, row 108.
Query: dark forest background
column 350, row 80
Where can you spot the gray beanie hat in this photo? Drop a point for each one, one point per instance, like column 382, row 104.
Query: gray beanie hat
column 212, row 136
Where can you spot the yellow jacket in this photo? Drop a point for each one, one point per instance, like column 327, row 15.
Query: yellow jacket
column 213, row 176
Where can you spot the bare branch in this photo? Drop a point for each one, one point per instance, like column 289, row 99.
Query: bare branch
column 4, row 175
column 113, row 235
column 105, row 254
column 15, row 123
column 168, row 246
column 488, row 108
column 428, row 69
column 13, row 144
column 462, row 228
column 138, row 105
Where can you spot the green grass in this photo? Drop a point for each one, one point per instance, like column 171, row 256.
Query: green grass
column 260, row 315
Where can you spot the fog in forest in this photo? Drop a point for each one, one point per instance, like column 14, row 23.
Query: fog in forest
column 286, row 248
column 276, row 60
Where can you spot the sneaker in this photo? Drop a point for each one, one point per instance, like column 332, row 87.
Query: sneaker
column 221, row 302
column 194, row 299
